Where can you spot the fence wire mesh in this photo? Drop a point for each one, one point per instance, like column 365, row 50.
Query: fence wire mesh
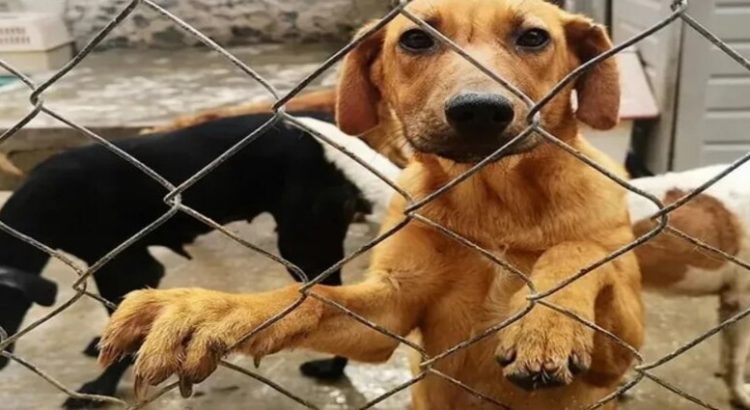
column 680, row 11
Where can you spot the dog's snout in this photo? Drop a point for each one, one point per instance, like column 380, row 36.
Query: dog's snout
column 479, row 113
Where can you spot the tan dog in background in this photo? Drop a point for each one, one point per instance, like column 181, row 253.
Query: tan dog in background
column 541, row 209
column 322, row 100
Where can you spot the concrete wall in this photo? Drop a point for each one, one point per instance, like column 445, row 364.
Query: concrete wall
column 226, row 21
column 229, row 22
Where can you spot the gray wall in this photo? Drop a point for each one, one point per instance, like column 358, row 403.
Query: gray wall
column 704, row 95
column 226, row 21
column 596, row 9
column 713, row 123
column 660, row 55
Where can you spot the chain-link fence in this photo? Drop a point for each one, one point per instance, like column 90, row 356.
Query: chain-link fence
column 680, row 10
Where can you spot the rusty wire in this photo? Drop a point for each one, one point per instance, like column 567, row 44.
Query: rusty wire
column 536, row 300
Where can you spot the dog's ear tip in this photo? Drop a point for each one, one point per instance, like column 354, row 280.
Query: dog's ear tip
column 354, row 128
column 357, row 94
column 609, row 123
column 600, row 122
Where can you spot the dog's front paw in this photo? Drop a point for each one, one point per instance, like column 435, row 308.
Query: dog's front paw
column 186, row 332
column 183, row 332
column 544, row 349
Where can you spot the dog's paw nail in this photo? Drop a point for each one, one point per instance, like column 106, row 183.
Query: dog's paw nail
column 140, row 388
column 506, row 358
column 521, row 379
column 186, row 388
column 529, row 380
column 576, row 365
column 550, row 366
column 256, row 361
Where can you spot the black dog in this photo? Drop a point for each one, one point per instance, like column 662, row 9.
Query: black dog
column 86, row 201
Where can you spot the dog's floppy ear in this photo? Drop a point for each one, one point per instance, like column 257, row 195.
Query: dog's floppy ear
column 598, row 89
column 34, row 287
column 357, row 96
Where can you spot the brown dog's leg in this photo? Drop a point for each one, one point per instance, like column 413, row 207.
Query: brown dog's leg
column 735, row 344
column 546, row 348
column 187, row 331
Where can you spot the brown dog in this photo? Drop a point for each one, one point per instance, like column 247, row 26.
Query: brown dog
column 322, row 100
column 543, row 210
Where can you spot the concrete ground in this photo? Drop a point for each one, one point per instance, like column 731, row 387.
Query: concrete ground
column 220, row 263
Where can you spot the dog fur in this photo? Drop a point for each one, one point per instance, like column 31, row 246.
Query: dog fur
column 87, row 201
column 323, row 101
column 541, row 209
column 719, row 217
column 672, row 266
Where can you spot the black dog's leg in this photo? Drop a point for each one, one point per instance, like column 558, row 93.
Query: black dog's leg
column 133, row 269
column 92, row 350
column 21, row 264
column 312, row 237
column 105, row 384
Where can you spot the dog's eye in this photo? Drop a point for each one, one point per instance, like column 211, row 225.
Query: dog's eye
column 416, row 41
column 533, row 39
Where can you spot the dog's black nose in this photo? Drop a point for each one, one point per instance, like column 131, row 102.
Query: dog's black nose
column 479, row 113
